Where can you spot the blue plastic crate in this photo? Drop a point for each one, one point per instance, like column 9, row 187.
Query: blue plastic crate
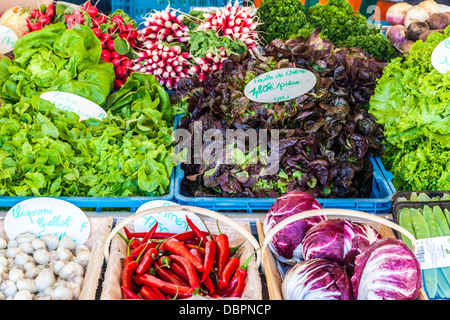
column 98, row 204
column 379, row 201
column 137, row 9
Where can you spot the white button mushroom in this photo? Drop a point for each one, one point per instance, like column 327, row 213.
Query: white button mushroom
column 62, row 293
column 51, row 241
column 41, row 256
column 67, row 243
column 23, row 295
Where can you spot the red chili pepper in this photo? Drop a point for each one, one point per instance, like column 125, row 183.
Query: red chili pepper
column 147, row 260
column 148, row 294
column 150, row 233
column 223, row 247
column 179, row 270
column 130, row 294
column 168, row 275
column 209, row 285
column 183, row 236
column 128, row 273
column 156, row 235
column 196, row 253
column 178, row 248
column 199, row 234
column 210, row 254
column 241, row 274
column 142, row 248
column 167, row 287
column 228, row 272
column 159, row 293
column 134, row 243
column 189, row 268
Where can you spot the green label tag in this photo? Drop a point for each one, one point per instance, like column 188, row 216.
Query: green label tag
column 280, row 85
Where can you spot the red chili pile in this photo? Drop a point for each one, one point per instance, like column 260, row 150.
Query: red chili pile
column 165, row 266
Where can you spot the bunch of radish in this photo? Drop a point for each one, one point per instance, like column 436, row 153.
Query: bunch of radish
column 211, row 62
column 164, row 26
column 234, row 21
column 166, row 62
column 40, row 19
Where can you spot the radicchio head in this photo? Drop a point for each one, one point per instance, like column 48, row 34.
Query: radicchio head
column 286, row 245
column 317, row 279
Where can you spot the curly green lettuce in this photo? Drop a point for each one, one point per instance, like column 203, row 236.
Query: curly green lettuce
column 412, row 102
column 339, row 23
column 281, row 19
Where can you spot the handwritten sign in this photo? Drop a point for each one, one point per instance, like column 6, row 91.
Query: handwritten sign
column 7, row 39
column 440, row 58
column 68, row 101
column 47, row 215
column 280, row 85
column 171, row 221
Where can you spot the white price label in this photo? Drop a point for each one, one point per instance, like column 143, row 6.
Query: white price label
column 47, row 215
column 7, row 39
column 440, row 58
column 171, row 221
column 280, row 85
column 433, row 252
column 71, row 102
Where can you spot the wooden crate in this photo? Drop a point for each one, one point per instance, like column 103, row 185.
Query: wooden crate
column 273, row 277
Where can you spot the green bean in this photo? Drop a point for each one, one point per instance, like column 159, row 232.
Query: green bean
column 441, row 221
column 431, row 221
column 419, row 224
column 421, row 229
column 404, row 220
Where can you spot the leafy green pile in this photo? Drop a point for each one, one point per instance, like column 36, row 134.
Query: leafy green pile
column 204, row 41
column 336, row 19
column 282, row 19
column 412, row 102
column 57, row 59
column 346, row 28
column 46, row 151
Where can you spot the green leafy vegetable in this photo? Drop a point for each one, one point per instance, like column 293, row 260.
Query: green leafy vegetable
column 57, row 59
column 45, row 151
column 281, row 19
column 412, row 102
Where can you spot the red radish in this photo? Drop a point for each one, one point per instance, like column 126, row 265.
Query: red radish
column 44, row 19
column 118, row 20
column 115, row 62
column 106, row 55
column 118, row 84
column 115, row 55
column 36, row 26
column 92, row 11
column 127, row 63
column 109, row 44
column 97, row 32
column 106, row 36
column 120, row 71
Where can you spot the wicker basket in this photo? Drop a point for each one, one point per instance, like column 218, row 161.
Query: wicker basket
column 100, row 229
column 270, row 264
column 115, row 249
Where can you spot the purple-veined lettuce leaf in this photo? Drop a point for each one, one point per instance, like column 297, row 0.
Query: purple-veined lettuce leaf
column 387, row 270
column 286, row 245
column 317, row 279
